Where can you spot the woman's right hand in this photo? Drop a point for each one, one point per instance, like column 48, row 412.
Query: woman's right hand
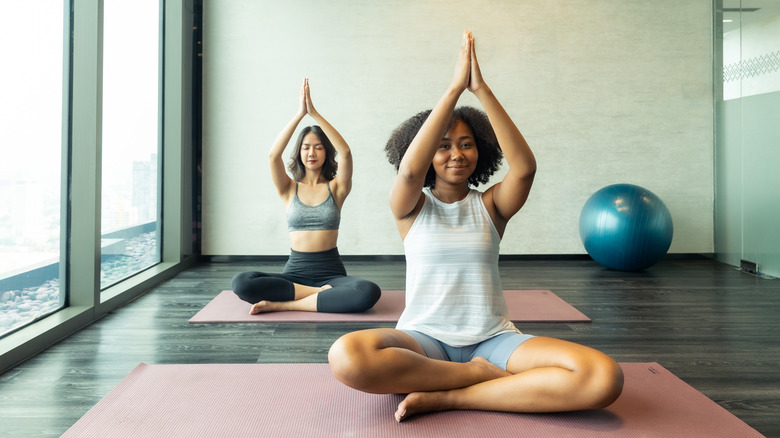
column 310, row 110
column 476, row 82
column 460, row 81
column 302, row 101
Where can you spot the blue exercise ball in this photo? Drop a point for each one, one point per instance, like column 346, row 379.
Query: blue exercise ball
column 626, row 227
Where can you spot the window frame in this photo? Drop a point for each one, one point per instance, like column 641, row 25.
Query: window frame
column 81, row 185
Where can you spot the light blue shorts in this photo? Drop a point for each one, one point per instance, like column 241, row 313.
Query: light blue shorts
column 496, row 349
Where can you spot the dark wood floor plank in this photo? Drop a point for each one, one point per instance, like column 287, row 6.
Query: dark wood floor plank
column 710, row 324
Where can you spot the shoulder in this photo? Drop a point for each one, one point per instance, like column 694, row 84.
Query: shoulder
column 490, row 205
column 421, row 202
column 289, row 193
column 338, row 190
column 404, row 224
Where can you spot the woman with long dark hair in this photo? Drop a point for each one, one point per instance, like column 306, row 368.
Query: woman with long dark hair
column 314, row 278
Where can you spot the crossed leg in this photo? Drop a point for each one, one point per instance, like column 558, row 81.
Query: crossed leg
column 340, row 295
column 543, row 375
column 275, row 292
column 305, row 300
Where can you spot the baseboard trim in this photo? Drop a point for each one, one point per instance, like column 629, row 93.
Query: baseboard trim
column 400, row 257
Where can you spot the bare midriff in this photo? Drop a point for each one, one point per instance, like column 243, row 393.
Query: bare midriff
column 313, row 241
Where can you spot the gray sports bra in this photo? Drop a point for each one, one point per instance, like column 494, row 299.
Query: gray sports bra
column 302, row 217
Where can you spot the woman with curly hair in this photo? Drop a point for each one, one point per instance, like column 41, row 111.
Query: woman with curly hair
column 454, row 346
column 314, row 278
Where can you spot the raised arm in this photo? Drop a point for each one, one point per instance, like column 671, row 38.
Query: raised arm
column 406, row 192
column 509, row 195
column 342, row 183
column 281, row 180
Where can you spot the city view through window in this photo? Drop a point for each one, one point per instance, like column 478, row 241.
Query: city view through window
column 130, row 230
column 31, row 126
column 31, row 143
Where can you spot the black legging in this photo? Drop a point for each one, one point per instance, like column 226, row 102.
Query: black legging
column 347, row 294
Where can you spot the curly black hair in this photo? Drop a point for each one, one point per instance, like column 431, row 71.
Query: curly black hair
column 329, row 168
column 490, row 154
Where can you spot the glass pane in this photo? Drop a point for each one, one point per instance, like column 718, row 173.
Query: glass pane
column 731, row 42
column 728, row 147
column 746, row 137
column 760, row 96
column 130, row 230
column 31, row 150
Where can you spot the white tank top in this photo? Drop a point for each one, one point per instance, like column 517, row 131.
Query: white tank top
column 453, row 289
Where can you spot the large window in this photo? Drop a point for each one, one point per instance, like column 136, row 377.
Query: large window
column 82, row 105
column 130, row 145
column 31, row 127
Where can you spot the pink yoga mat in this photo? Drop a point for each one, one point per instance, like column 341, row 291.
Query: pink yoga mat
column 305, row 400
column 524, row 306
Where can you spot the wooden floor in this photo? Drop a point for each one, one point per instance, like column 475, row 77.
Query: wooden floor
column 713, row 326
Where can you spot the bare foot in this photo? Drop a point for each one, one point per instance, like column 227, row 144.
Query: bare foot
column 421, row 402
column 265, row 306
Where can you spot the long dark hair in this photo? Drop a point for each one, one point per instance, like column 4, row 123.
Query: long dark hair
column 329, row 168
column 490, row 154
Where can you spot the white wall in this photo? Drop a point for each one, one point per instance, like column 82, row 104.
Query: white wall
column 605, row 92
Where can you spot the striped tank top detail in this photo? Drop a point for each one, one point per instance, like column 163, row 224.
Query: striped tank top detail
column 453, row 288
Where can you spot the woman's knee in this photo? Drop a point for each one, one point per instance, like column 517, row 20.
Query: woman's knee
column 238, row 280
column 353, row 297
column 603, row 382
column 369, row 294
column 253, row 287
column 239, row 284
column 596, row 380
column 348, row 358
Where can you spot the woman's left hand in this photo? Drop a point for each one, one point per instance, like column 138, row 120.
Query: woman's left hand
column 475, row 77
column 302, row 100
column 309, row 105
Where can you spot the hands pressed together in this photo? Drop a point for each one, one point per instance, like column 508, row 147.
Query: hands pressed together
column 305, row 105
column 467, row 72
